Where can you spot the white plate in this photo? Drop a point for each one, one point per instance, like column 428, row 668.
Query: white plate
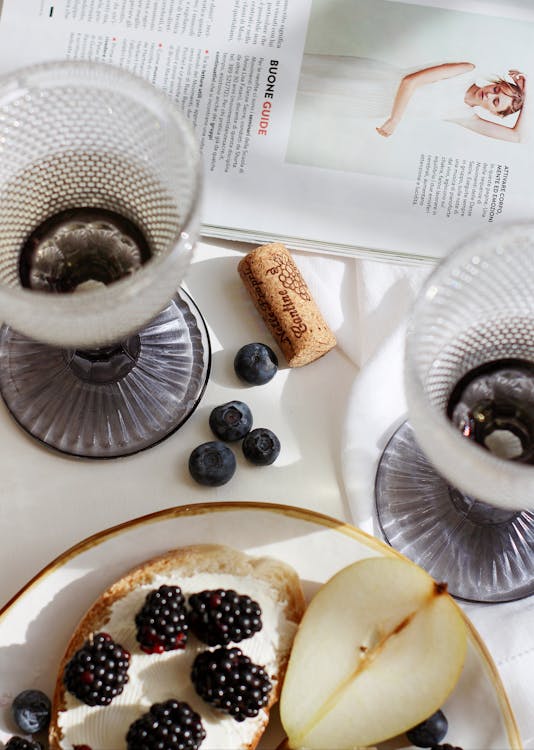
column 36, row 624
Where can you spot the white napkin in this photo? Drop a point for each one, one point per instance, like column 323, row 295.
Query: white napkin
column 366, row 304
column 363, row 301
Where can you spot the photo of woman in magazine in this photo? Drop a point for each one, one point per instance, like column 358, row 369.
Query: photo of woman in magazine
column 500, row 97
column 448, row 92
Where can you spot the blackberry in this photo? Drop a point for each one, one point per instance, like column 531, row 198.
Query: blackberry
column 98, row 671
column 172, row 725
column 31, row 711
column 19, row 743
column 430, row 731
column 162, row 621
column 231, row 682
column 220, row 616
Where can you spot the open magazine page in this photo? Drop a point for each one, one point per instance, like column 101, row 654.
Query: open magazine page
column 353, row 126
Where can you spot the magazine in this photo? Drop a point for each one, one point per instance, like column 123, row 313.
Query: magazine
column 364, row 127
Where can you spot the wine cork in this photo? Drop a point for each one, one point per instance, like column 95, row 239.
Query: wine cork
column 285, row 303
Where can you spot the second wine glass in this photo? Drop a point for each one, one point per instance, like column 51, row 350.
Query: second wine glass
column 455, row 485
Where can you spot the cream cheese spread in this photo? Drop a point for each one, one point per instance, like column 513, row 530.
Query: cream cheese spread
column 154, row 678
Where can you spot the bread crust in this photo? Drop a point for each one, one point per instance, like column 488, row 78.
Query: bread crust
column 186, row 561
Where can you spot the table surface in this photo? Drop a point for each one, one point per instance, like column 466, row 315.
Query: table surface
column 49, row 501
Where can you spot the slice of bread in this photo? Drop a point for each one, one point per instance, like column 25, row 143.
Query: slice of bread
column 158, row 677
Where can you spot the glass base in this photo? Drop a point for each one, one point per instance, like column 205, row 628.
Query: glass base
column 483, row 553
column 113, row 401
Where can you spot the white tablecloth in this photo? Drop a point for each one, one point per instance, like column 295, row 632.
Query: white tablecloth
column 330, row 417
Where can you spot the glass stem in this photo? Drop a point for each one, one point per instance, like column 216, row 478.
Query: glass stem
column 479, row 512
column 107, row 364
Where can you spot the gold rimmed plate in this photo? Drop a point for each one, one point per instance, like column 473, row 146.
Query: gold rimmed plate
column 36, row 624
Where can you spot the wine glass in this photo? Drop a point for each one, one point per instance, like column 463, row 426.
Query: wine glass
column 455, row 485
column 101, row 354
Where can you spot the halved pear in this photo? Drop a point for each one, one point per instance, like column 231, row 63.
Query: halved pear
column 379, row 649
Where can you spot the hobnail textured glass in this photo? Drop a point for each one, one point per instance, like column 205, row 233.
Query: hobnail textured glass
column 453, row 506
column 86, row 135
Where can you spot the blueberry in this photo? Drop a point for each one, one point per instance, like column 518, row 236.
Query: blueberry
column 231, row 421
column 261, row 446
column 212, row 463
column 429, row 732
column 255, row 363
column 31, row 711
